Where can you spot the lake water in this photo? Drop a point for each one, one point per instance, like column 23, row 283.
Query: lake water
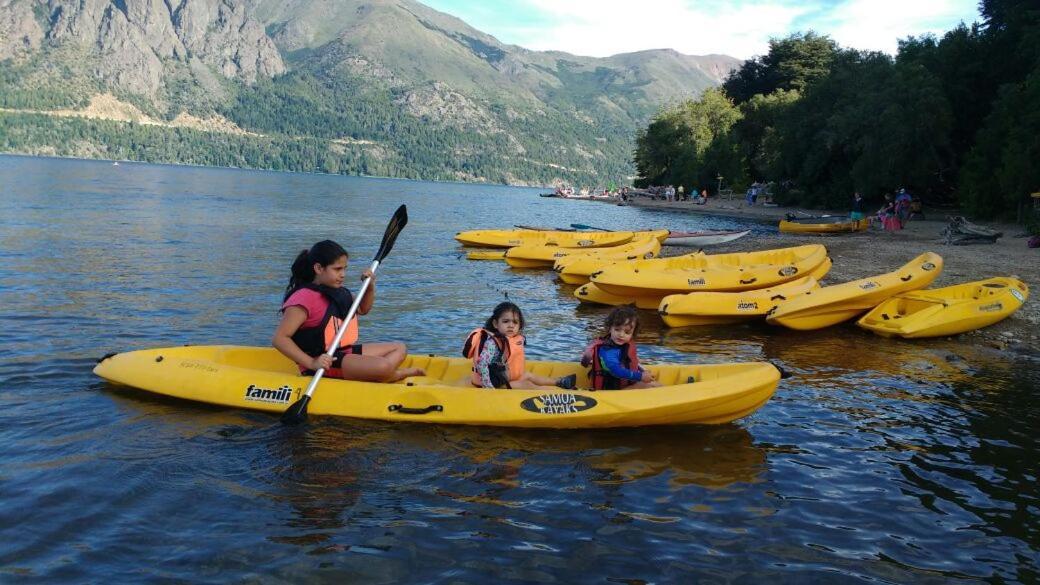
column 878, row 461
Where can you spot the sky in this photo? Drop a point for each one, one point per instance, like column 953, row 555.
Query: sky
column 740, row 28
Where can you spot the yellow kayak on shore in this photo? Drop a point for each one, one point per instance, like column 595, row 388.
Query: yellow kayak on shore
column 947, row 311
column 576, row 268
column 823, row 225
column 590, row 293
column 709, row 272
column 722, row 308
column 260, row 378
column 541, row 256
column 511, row 238
column 833, row 304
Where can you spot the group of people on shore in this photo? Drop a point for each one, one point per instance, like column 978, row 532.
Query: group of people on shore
column 316, row 305
column 894, row 213
column 673, row 193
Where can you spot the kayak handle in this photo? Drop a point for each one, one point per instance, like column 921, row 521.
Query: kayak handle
column 906, row 278
column 749, row 281
column 406, row 410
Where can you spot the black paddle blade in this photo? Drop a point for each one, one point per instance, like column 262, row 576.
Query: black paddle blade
column 397, row 223
column 297, row 413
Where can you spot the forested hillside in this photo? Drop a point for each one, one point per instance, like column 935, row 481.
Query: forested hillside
column 954, row 119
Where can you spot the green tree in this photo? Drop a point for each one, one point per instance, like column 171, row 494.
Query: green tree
column 792, row 63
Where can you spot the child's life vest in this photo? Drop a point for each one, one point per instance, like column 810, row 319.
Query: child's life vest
column 508, row 366
column 315, row 341
column 599, row 377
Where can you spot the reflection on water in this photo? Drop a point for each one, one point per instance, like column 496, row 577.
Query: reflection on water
column 878, row 460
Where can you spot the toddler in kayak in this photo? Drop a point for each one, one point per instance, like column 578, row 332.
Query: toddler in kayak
column 613, row 358
column 497, row 351
column 315, row 305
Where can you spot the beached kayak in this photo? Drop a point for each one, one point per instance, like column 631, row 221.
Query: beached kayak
column 541, row 256
column 823, row 225
column 947, row 311
column 575, row 269
column 709, row 272
column 590, row 293
column 262, row 379
column 510, row 238
column 722, row 308
column 830, row 305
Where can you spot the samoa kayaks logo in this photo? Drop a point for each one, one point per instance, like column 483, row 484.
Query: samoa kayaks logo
column 991, row 308
column 558, row 403
column 280, row 395
column 869, row 285
column 695, row 282
column 788, row 271
column 747, row 306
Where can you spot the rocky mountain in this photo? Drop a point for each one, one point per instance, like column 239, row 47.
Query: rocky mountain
column 389, row 86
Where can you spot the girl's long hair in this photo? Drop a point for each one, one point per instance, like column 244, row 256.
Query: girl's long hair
column 324, row 253
column 501, row 309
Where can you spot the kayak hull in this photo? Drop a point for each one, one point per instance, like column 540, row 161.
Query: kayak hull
column 831, row 305
column 712, row 308
column 562, row 239
column 709, row 272
column 262, row 379
column 542, row 256
column 947, row 311
column 824, row 226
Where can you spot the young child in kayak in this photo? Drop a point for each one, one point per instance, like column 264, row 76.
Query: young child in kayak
column 497, row 351
column 613, row 356
column 315, row 305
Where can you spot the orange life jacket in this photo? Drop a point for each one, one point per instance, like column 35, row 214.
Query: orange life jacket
column 599, row 377
column 315, row 341
column 510, row 356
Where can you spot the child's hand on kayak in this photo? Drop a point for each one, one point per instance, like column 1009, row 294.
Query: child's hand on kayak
column 647, row 376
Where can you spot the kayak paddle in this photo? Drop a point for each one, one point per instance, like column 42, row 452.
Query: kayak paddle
column 297, row 413
column 581, row 226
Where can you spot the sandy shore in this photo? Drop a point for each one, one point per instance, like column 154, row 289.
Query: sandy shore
column 864, row 254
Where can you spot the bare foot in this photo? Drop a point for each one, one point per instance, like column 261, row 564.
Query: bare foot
column 403, row 373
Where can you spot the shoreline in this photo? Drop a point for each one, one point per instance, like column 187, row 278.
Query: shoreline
column 863, row 254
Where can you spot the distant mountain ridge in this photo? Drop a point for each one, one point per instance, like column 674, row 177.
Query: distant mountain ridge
column 387, row 86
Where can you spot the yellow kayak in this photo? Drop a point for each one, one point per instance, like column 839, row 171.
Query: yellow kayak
column 833, row 304
column 590, row 293
column 823, row 225
column 510, row 238
column 721, row 308
column 541, row 256
column 709, row 272
column 947, row 311
column 486, row 255
column 576, row 268
column 260, row 378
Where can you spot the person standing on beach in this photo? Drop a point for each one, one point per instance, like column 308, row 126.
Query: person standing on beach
column 857, row 207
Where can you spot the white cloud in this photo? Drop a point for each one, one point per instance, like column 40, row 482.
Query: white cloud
column 879, row 24
column 740, row 28
column 599, row 28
